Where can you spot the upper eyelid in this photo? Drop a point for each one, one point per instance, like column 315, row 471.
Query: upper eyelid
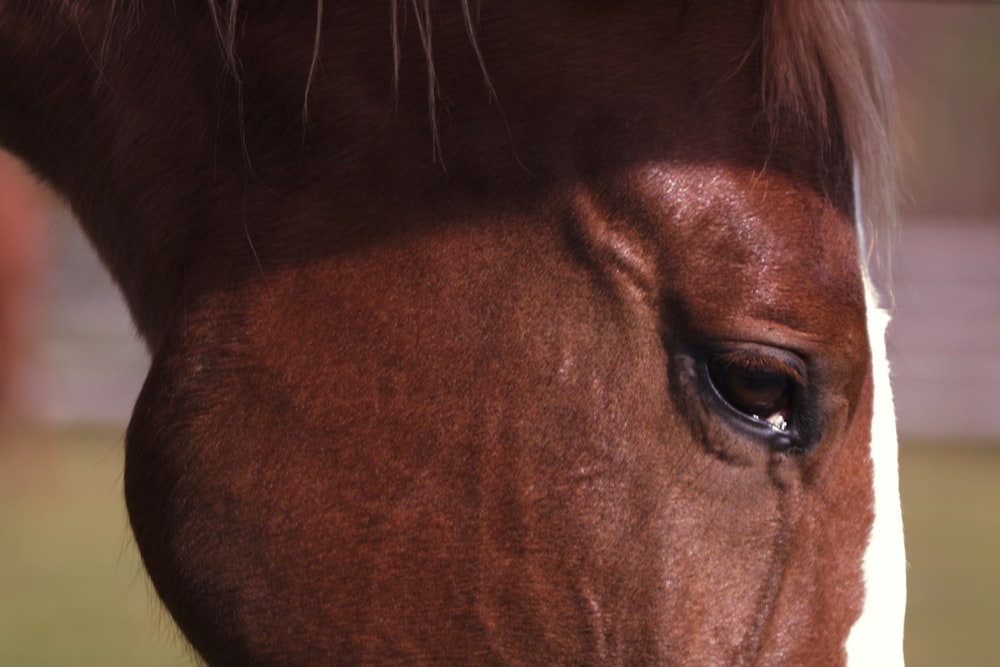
column 753, row 359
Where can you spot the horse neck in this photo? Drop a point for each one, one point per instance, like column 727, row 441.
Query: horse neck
column 87, row 94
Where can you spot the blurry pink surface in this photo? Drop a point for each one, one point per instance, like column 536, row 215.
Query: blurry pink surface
column 25, row 208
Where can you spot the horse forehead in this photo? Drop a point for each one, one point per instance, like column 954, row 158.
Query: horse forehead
column 740, row 240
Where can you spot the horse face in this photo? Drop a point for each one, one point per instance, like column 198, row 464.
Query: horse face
column 500, row 443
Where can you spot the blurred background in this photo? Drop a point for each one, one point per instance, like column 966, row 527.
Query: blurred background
column 944, row 343
column 72, row 591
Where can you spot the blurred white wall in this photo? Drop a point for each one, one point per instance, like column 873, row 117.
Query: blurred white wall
column 87, row 365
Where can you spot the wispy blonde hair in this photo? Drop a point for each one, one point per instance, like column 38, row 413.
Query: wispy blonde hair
column 820, row 55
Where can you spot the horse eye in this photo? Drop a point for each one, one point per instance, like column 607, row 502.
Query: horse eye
column 761, row 394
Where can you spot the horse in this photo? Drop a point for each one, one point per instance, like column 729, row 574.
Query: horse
column 491, row 332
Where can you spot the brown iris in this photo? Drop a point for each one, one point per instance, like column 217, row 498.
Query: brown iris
column 756, row 386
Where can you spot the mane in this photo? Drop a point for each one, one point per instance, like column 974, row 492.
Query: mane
column 821, row 56
column 224, row 16
column 823, row 67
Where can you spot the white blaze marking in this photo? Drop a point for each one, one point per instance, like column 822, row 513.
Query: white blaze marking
column 877, row 637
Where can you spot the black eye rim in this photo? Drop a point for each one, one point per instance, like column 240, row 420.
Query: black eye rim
column 762, row 359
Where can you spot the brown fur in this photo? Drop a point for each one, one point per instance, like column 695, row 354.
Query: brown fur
column 402, row 416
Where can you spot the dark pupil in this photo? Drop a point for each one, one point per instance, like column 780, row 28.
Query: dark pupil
column 755, row 392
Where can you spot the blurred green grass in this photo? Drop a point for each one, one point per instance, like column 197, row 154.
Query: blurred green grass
column 951, row 510
column 72, row 590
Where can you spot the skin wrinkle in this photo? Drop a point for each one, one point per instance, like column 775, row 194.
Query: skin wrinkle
column 771, row 590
